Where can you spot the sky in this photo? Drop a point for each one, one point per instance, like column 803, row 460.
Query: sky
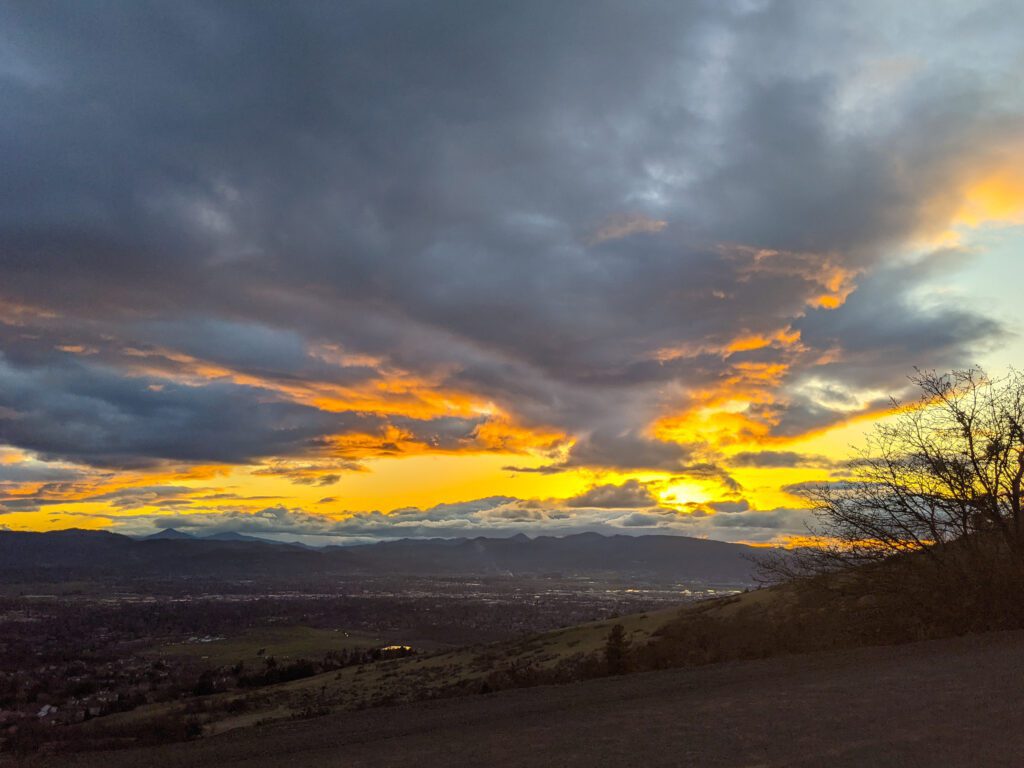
column 340, row 272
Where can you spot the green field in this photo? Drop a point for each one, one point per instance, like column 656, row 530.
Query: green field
column 280, row 642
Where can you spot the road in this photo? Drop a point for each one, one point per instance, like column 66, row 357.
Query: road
column 948, row 703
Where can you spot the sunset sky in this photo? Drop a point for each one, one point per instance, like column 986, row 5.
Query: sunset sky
column 366, row 270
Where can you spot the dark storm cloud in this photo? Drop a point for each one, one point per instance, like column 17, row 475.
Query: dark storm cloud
column 250, row 348
column 729, row 507
column 709, row 470
column 813, row 486
column 760, row 526
column 36, row 473
column 604, row 449
column 626, row 451
column 776, row 459
column 95, row 416
column 324, row 472
column 147, row 496
column 884, row 328
column 321, row 481
column 92, row 415
column 630, row 494
column 526, row 202
column 82, row 491
column 881, row 333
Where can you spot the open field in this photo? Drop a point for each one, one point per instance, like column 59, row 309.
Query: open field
column 283, row 643
column 949, row 702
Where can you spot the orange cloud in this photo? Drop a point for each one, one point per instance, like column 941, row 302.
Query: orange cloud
column 90, row 483
column 989, row 193
column 16, row 314
column 784, row 337
column 505, row 436
column 390, row 391
column 719, row 415
column 996, row 198
column 790, row 541
column 745, row 342
column 624, row 225
column 829, row 281
column 12, row 456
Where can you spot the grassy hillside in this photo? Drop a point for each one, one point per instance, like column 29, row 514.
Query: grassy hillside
column 554, row 657
column 948, row 702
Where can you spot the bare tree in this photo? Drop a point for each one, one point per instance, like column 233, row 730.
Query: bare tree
column 942, row 476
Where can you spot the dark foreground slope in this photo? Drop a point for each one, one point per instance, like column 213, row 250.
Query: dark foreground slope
column 948, row 702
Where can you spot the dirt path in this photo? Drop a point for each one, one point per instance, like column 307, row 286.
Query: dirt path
column 947, row 703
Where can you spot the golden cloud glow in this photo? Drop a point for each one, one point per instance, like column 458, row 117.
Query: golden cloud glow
column 395, row 466
column 989, row 195
column 998, row 198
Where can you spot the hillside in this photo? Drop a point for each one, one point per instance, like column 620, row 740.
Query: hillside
column 563, row 655
column 949, row 702
column 786, row 619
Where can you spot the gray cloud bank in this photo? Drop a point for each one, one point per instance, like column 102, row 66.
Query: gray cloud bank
column 493, row 516
column 527, row 202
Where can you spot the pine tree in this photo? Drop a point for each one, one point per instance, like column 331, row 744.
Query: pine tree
column 616, row 650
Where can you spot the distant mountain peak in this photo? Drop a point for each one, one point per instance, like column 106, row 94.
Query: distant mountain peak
column 231, row 536
column 169, row 533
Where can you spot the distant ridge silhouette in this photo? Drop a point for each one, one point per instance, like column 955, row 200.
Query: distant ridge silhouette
column 171, row 553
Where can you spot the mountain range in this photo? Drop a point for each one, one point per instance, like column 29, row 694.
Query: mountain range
column 172, row 553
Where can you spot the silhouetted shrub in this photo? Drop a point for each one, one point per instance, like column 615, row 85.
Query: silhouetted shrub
column 616, row 651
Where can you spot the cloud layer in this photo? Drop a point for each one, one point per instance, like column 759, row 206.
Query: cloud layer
column 492, row 516
column 299, row 238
